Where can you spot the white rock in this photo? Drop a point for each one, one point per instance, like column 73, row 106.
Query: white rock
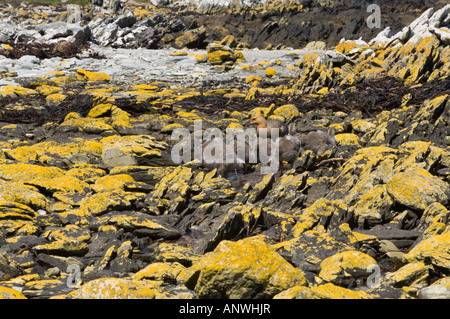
column 434, row 292
column 440, row 17
column 7, row 30
column 383, row 36
column 423, row 19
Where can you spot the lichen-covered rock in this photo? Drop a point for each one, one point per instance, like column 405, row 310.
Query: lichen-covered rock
column 286, row 193
column 92, row 76
column 248, row 268
column 12, row 211
column 112, row 182
column 101, row 203
column 167, row 252
column 27, row 172
column 417, row 188
column 23, row 194
column 63, row 247
column 54, row 153
column 321, row 213
column 347, row 139
column 219, row 57
column 191, row 38
column 331, row 291
column 66, row 184
column 113, row 288
column 144, row 148
column 309, row 249
column 433, row 250
column 69, row 231
column 158, row 271
column 299, row 292
column 412, row 275
column 343, row 267
column 373, row 205
column 287, row 111
column 10, row 293
column 140, row 224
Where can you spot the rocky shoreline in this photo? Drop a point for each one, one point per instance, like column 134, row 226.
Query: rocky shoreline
column 92, row 205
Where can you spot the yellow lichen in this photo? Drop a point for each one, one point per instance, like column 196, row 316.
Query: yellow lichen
column 10, row 293
column 92, row 76
column 113, row 288
column 111, row 182
column 271, row 72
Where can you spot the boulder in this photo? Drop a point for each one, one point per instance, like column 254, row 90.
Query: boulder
column 191, row 39
column 10, row 293
column 412, row 275
column 248, row 268
column 343, row 268
column 416, row 188
column 433, row 250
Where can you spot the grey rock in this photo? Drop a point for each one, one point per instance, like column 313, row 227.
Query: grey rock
column 114, row 157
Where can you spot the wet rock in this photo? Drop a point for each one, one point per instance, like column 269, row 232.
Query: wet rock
column 210, row 280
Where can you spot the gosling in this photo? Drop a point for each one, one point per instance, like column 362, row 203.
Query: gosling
column 267, row 125
column 319, row 141
column 239, row 163
column 289, row 146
